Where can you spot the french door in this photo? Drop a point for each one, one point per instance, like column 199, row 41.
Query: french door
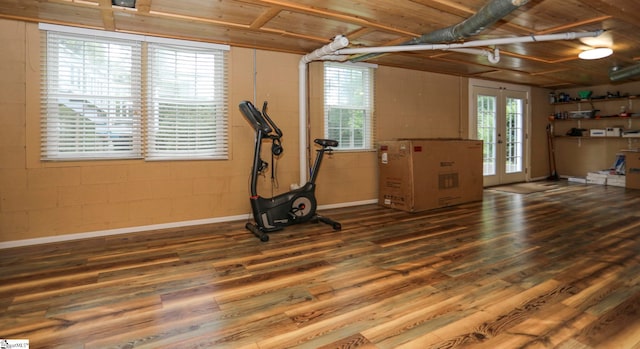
column 499, row 118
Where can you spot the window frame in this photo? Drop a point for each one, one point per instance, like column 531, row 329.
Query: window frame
column 75, row 100
column 209, row 111
column 219, row 148
column 339, row 92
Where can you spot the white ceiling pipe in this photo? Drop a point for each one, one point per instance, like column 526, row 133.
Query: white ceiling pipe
column 475, row 43
column 327, row 50
column 492, row 56
column 335, row 58
column 338, row 42
column 495, row 57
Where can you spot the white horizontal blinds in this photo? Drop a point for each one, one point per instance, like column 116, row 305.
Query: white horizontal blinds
column 186, row 102
column 90, row 97
column 348, row 101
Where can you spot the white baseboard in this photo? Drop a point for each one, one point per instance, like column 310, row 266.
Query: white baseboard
column 348, row 204
column 109, row 232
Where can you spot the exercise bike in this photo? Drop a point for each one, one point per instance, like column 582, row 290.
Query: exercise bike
column 293, row 207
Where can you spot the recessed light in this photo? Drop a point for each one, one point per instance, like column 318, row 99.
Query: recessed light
column 596, row 53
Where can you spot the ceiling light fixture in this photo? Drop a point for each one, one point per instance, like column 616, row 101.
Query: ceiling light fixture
column 596, row 53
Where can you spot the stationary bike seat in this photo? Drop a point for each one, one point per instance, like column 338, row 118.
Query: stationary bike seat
column 326, row 142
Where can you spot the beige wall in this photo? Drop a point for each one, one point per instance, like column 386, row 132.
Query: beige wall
column 45, row 199
column 412, row 104
column 539, row 155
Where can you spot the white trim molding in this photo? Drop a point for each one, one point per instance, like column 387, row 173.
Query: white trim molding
column 129, row 230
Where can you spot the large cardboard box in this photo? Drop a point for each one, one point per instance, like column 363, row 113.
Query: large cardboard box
column 632, row 169
column 422, row 174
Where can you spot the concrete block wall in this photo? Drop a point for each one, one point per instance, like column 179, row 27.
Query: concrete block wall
column 41, row 200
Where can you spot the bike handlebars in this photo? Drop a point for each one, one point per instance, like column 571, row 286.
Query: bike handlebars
column 260, row 121
column 254, row 117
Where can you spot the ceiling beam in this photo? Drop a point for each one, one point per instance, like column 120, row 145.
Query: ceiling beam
column 196, row 19
column 569, row 26
column 448, row 6
column 265, row 17
column 234, row 25
column 106, row 12
column 333, row 15
column 358, row 33
column 143, row 6
column 621, row 9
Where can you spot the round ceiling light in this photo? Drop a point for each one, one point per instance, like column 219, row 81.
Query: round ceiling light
column 596, row 53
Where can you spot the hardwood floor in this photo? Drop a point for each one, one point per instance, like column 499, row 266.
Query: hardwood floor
column 554, row 269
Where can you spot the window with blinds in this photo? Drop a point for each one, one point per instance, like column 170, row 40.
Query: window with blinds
column 348, row 105
column 186, row 103
column 90, row 97
column 92, row 93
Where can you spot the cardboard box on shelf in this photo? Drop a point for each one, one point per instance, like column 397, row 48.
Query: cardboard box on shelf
column 597, row 132
column 422, row 174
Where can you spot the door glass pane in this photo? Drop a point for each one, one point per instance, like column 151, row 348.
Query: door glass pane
column 486, row 115
column 514, row 135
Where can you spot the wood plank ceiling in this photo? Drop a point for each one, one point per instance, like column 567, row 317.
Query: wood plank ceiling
column 300, row 26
